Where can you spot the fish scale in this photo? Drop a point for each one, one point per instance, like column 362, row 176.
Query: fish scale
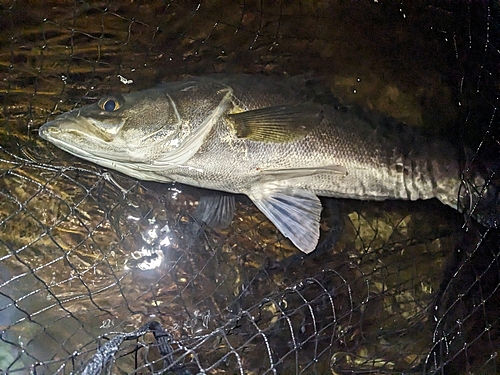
column 264, row 137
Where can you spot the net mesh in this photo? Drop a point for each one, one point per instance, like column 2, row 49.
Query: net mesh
column 101, row 273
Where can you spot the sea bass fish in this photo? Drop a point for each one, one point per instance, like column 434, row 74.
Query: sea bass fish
column 268, row 138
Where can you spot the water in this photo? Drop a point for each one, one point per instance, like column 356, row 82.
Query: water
column 86, row 252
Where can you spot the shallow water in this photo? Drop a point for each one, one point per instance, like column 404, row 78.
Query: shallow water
column 85, row 252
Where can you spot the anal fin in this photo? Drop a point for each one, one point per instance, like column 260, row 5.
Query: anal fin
column 295, row 212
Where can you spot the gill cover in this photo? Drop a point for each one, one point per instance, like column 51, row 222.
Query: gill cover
column 198, row 106
column 144, row 131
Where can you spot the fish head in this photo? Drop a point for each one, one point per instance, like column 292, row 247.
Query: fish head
column 148, row 130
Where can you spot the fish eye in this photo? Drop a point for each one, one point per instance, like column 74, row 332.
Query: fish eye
column 109, row 104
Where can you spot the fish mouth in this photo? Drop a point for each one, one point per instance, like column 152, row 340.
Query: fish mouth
column 78, row 126
column 55, row 132
column 71, row 135
column 78, row 136
column 50, row 130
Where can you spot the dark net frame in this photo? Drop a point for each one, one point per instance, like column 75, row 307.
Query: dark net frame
column 100, row 273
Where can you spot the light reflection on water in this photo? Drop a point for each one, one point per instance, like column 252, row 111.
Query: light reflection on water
column 85, row 256
column 124, row 259
column 157, row 241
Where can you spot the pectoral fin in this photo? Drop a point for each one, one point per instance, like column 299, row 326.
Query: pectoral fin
column 278, row 124
column 295, row 212
column 216, row 211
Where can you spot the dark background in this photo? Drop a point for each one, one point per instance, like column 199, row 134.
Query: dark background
column 399, row 287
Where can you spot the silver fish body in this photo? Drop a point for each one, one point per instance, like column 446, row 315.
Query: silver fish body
column 263, row 137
